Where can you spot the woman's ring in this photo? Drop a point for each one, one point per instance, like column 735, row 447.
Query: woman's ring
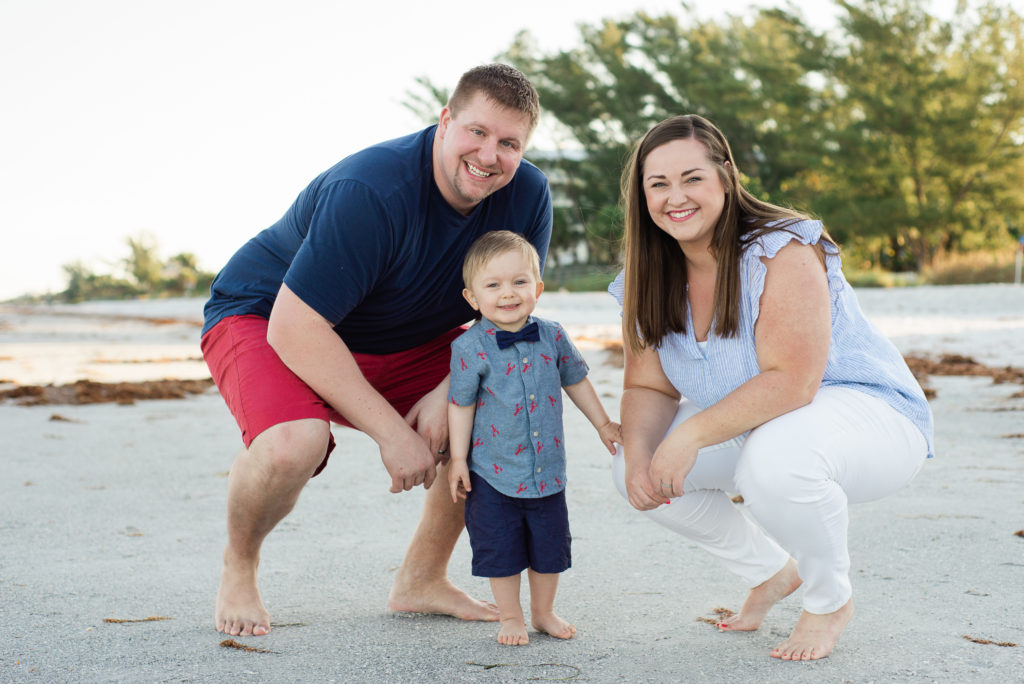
column 442, row 451
column 666, row 486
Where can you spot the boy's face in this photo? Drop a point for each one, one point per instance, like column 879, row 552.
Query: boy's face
column 505, row 290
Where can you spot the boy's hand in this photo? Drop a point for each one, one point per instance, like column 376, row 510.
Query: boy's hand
column 458, row 479
column 611, row 434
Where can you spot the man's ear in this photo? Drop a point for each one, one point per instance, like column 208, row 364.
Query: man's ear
column 470, row 298
column 443, row 120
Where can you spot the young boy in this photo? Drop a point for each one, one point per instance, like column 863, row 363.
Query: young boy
column 506, row 438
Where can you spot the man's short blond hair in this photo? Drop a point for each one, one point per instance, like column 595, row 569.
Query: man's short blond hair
column 492, row 244
column 501, row 83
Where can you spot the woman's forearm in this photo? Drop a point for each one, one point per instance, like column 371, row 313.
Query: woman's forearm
column 645, row 415
column 766, row 396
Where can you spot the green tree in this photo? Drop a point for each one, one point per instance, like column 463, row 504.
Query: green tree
column 147, row 275
column 926, row 122
column 78, row 275
column 84, row 284
column 181, row 273
column 903, row 131
column 426, row 100
column 143, row 263
column 754, row 78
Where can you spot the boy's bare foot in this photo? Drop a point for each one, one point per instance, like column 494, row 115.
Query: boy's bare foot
column 441, row 598
column 240, row 610
column 761, row 599
column 553, row 625
column 814, row 636
column 513, row 632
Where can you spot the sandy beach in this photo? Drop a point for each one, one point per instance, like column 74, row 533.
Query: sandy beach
column 113, row 513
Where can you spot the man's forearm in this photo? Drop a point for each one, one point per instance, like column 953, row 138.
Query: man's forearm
column 308, row 345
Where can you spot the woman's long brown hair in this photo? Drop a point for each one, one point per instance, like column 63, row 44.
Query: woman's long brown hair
column 655, row 278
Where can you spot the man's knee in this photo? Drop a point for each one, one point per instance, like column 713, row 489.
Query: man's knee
column 293, row 449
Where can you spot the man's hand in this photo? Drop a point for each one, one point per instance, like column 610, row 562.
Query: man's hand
column 409, row 461
column 308, row 345
column 430, row 416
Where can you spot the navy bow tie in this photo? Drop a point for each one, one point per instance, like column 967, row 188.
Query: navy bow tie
column 528, row 333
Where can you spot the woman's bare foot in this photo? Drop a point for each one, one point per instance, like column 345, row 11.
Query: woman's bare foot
column 513, row 632
column 814, row 636
column 240, row 610
column 761, row 599
column 552, row 624
column 441, row 598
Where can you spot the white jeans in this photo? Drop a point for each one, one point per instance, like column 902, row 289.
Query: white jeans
column 796, row 474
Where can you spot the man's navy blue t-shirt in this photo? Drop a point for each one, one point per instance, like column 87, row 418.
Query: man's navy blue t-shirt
column 373, row 247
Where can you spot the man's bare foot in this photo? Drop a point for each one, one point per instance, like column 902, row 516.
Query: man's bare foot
column 553, row 625
column 814, row 636
column 513, row 632
column 440, row 598
column 240, row 610
column 761, row 599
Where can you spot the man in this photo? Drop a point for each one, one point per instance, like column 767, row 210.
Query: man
column 344, row 311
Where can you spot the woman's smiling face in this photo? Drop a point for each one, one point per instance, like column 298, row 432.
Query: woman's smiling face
column 684, row 192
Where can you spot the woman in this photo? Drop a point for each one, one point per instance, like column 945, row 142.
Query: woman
column 792, row 398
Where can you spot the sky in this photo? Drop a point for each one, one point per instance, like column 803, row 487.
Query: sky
column 199, row 121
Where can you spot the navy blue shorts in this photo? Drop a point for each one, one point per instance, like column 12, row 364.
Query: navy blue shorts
column 509, row 535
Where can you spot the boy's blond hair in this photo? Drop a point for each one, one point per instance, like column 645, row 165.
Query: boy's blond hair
column 492, row 244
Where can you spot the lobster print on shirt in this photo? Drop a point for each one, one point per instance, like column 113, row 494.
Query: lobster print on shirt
column 518, row 440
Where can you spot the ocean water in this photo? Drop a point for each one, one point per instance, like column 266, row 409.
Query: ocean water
column 985, row 322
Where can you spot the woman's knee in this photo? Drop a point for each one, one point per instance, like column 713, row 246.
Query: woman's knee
column 777, row 464
column 619, row 471
column 292, row 449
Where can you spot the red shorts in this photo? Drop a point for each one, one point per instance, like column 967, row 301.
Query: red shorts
column 261, row 391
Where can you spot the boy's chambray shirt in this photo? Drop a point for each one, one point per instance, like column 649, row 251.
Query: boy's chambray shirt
column 518, row 443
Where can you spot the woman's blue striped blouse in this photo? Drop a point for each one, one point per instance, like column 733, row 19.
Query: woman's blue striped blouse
column 860, row 356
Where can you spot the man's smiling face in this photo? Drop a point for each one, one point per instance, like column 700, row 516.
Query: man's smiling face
column 477, row 150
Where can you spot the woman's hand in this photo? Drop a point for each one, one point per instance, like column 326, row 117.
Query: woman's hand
column 643, row 495
column 672, row 462
column 649, row 403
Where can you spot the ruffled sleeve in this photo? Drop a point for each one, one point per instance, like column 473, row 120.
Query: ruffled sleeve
column 617, row 288
column 808, row 233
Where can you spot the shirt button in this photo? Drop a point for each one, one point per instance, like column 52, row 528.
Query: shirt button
column 526, row 360
column 535, row 434
column 531, row 397
column 538, row 470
